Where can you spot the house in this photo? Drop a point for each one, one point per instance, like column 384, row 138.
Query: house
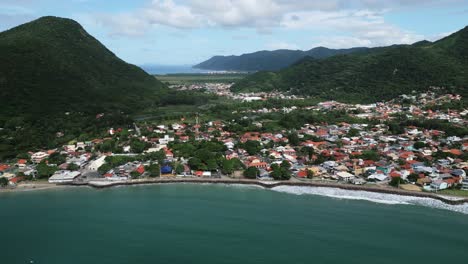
column 38, row 157
column 302, row 174
column 344, row 176
column 439, row 185
column 169, row 154
column 95, row 164
column 16, row 180
column 140, row 169
column 465, row 185
column 4, row 167
column 204, row 174
column 166, row 169
column 21, row 164
column 64, row 176
column 257, row 163
column 378, row 177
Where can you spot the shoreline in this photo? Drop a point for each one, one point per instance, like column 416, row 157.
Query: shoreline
column 450, row 200
column 33, row 186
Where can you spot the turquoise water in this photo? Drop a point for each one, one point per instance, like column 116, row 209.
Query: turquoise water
column 221, row 224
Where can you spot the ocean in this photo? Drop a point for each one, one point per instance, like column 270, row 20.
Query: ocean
column 171, row 69
column 188, row 223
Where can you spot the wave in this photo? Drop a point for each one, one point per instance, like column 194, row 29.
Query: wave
column 389, row 199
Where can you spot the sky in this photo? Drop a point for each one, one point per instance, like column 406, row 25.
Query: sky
column 186, row 32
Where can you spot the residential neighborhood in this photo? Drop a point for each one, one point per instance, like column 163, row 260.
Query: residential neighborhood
column 368, row 153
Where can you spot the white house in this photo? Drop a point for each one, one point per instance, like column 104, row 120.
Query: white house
column 95, row 164
column 39, row 156
column 439, row 185
column 64, row 176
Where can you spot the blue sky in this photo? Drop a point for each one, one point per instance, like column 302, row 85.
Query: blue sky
column 176, row 32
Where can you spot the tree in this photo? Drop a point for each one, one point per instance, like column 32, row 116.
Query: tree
column 353, row 132
column 137, row 146
column 158, row 156
column 285, row 164
column 307, row 152
column 227, row 166
column 370, row 155
column 135, row 174
column 276, row 174
column 179, row 168
column 211, row 165
column 45, row 171
column 73, row 167
column 413, row 177
column 154, row 170
column 195, row 163
column 419, row 145
column 252, row 147
column 294, row 139
column 285, row 174
column 56, row 158
column 104, row 168
column 280, row 173
column 251, row 173
column 23, row 156
column 3, row 181
column 396, row 181
column 310, row 174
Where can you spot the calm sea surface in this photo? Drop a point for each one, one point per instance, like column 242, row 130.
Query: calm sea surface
column 221, row 224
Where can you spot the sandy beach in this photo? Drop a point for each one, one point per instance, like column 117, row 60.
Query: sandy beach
column 33, row 186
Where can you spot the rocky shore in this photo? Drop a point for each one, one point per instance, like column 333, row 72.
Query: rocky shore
column 269, row 185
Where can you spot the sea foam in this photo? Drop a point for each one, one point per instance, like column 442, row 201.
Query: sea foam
column 389, row 199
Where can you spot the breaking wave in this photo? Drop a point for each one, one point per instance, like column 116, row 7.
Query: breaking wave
column 382, row 198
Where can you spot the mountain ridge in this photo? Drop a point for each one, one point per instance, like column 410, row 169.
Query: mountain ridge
column 379, row 74
column 269, row 60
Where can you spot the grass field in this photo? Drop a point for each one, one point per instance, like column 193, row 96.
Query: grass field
column 460, row 193
column 200, row 78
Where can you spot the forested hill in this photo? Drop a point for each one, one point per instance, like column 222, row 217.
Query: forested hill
column 269, row 60
column 52, row 64
column 55, row 77
column 378, row 74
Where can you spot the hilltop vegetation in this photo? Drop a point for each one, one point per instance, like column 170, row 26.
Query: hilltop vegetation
column 269, row 60
column 53, row 64
column 381, row 73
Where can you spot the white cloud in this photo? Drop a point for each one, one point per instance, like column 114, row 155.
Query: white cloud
column 361, row 28
column 363, row 21
column 282, row 45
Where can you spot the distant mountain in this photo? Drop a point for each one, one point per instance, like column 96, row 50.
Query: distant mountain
column 377, row 74
column 52, row 64
column 269, row 60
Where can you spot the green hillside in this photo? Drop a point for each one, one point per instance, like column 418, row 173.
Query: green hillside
column 52, row 66
column 382, row 73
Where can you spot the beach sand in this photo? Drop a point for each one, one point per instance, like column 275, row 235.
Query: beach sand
column 32, row 186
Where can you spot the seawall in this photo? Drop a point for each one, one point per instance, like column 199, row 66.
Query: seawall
column 269, row 185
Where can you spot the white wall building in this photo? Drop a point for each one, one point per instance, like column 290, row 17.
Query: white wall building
column 95, row 164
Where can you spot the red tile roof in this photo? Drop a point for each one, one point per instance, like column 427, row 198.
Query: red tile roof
column 16, row 179
column 302, row 174
column 141, row 169
column 4, row 167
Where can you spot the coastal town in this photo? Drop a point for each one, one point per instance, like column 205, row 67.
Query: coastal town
column 414, row 158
